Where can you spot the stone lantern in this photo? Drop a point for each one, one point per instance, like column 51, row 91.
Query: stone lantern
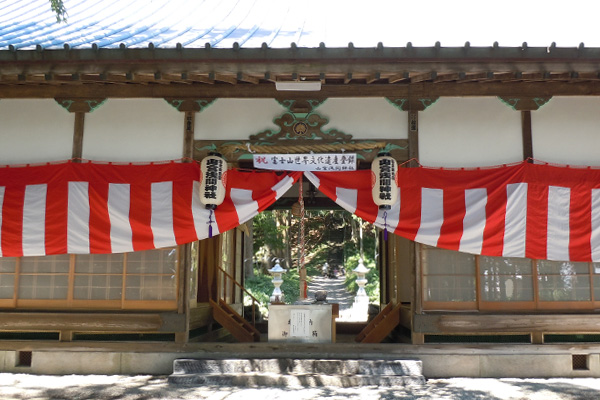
column 360, row 308
column 277, row 271
column 361, row 280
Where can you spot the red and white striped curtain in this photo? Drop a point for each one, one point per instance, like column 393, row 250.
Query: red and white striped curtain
column 524, row 210
column 81, row 208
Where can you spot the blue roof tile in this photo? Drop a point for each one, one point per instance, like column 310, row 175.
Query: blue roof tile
column 25, row 24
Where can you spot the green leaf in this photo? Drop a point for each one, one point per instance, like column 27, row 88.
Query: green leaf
column 59, row 9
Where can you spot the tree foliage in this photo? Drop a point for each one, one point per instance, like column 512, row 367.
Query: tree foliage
column 332, row 236
column 59, row 9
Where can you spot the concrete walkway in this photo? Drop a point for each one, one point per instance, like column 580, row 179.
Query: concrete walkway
column 147, row 387
column 336, row 293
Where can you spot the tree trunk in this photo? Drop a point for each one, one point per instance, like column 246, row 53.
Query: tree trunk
column 281, row 251
column 249, row 251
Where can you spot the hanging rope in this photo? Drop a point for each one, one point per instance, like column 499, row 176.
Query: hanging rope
column 301, row 239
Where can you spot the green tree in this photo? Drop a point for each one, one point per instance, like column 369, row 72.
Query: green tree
column 59, row 9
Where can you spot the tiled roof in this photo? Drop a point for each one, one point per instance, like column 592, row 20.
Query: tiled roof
column 27, row 24
column 240, row 48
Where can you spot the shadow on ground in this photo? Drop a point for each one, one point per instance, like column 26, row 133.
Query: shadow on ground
column 100, row 387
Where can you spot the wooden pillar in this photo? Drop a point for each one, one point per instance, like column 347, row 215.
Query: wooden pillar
column 189, row 109
column 77, row 153
column 526, row 105
column 527, row 135
column 208, row 254
column 188, row 134
column 79, row 107
column 413, row 138
column 412, row 105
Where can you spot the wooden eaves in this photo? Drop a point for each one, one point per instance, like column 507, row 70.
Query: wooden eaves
column 344, row 72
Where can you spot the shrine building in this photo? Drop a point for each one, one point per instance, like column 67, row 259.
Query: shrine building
column 111, row 263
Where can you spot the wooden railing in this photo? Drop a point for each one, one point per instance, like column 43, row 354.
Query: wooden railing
column 229, row 282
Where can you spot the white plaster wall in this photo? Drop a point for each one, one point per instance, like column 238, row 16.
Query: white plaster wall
column 365, row 118
column 566, row 130
column 236, row 119
column 133, row 130
column 34, row 131
column 469, row 132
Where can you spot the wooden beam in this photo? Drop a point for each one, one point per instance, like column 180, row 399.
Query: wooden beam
column 506, row 323
column 421, row 90
column 96, row 322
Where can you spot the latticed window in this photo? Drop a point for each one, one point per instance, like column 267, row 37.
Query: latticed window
column 44, row 278
column 98, row 277
column 8, row 267
column 563, row 281
column 505, row 279
column 448, row 276
column 454, row 280
column 145, row 280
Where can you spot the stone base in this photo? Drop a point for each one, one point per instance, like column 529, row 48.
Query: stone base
column 297, row 373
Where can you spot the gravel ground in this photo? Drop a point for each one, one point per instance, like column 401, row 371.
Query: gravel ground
column 100, row 387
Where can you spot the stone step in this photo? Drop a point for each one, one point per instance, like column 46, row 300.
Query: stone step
column 283, row 380
column 299, row 366
column 297, row 372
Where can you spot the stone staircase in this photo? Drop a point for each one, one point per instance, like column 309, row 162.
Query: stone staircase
column 297, row 372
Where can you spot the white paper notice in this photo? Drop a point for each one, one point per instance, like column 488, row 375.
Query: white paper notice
column 299, row 323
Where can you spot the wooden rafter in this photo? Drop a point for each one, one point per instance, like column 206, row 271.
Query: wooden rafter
column 247, row 78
